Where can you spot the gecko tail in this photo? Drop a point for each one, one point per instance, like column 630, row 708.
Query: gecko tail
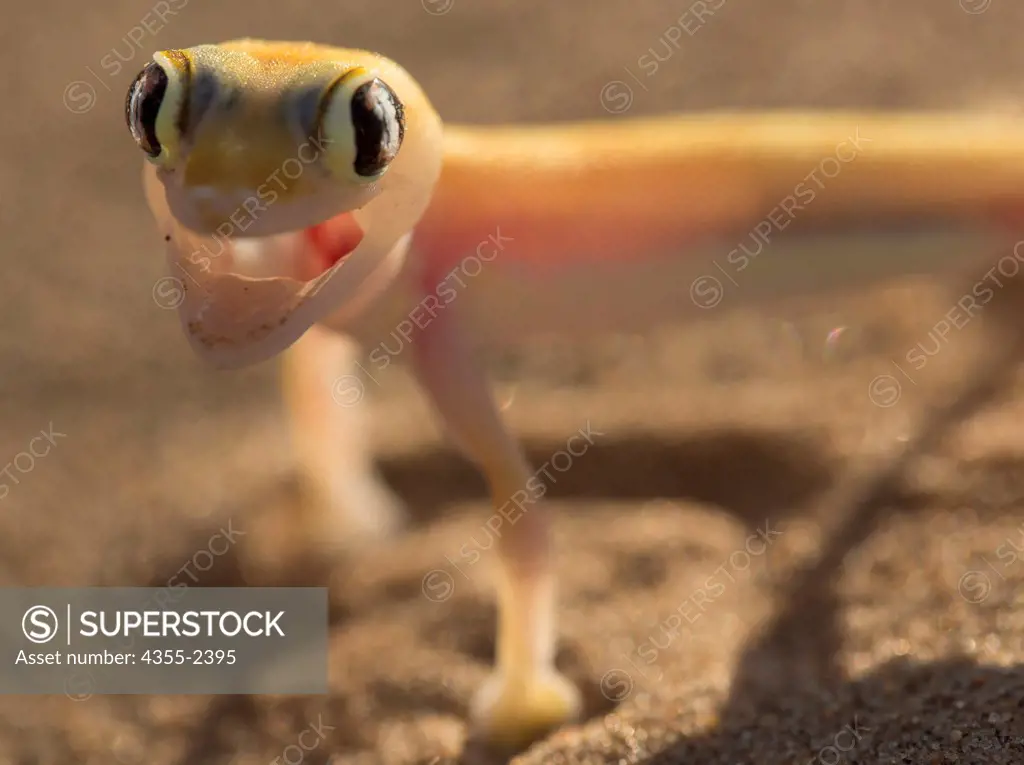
column 621, row 188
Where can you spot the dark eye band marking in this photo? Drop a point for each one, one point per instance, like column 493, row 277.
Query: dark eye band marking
column 378, row 119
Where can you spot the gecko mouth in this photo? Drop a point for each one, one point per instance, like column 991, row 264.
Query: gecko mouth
column 242, row 300
column 302, row 255
column 331, row 242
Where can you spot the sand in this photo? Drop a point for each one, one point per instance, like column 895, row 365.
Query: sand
column 730, row 592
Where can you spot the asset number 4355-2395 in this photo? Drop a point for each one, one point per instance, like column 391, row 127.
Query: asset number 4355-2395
column 197, row 656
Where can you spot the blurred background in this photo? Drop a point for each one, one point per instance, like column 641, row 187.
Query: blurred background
column 711, row 431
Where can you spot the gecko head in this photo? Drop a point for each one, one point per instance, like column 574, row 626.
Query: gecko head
column 268, row 167
column 251, row 145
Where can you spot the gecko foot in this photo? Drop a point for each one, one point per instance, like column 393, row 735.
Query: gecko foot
column 512, row 715
column 360, row 510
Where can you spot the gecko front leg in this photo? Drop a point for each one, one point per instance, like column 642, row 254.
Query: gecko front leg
column 346, row 500
column 525, row 696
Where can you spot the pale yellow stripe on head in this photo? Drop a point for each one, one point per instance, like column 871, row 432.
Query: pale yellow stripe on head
column 171, row 118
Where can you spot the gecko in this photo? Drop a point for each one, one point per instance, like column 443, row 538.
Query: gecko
column 314, row 206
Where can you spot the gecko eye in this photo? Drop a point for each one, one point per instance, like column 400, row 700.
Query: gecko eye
column 364, row 123
column 154, row 102
column 142, row 106
column 379, row 122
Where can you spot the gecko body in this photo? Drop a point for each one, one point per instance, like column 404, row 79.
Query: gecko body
column 313, row 204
